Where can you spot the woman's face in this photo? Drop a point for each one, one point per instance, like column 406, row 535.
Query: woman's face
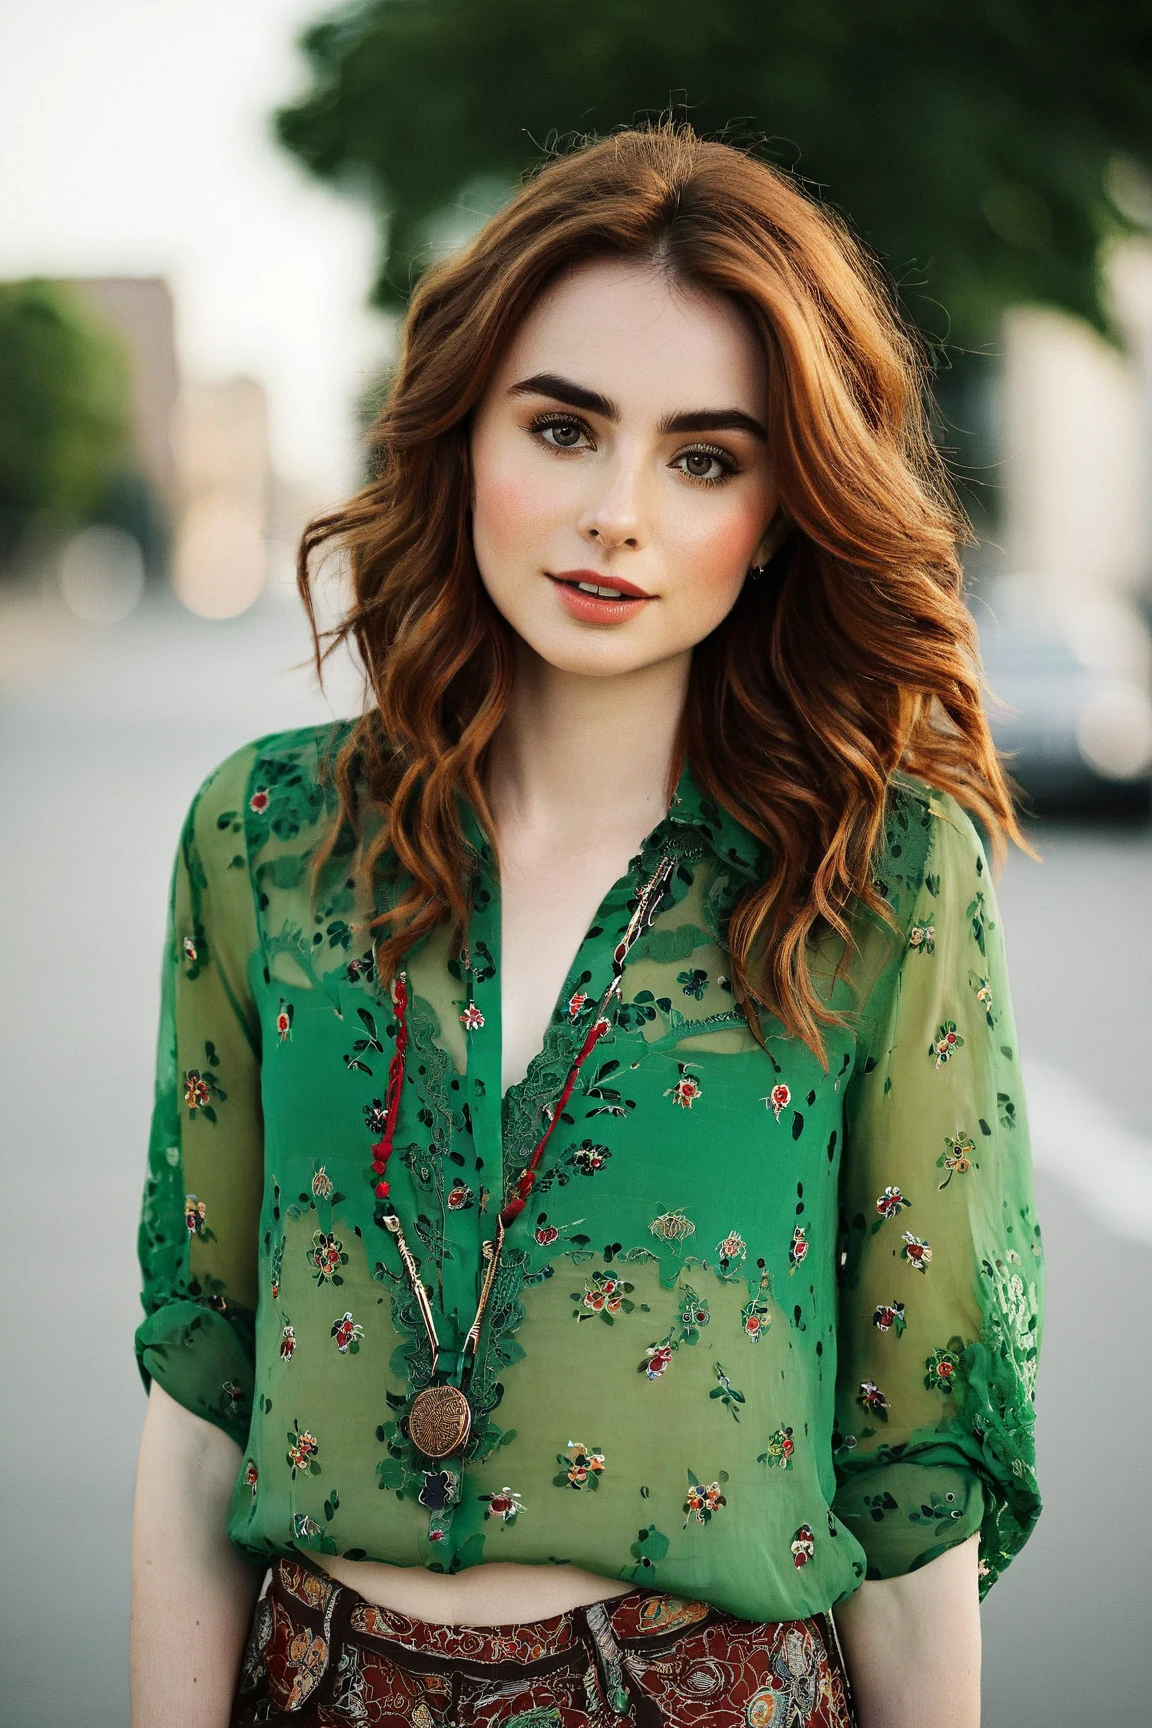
column 621, row 483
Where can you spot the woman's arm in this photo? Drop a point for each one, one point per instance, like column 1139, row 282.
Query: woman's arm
column 912, row 1645
column 192, row 1594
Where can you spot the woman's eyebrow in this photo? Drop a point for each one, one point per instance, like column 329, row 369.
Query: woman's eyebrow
column 715, row 420
column 579, row 396
column 564, row 390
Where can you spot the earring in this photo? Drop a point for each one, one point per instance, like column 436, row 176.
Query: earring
column 756, row 571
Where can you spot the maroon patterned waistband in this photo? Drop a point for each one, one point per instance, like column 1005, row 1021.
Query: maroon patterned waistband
column 321, row 1653
column 634, row 1619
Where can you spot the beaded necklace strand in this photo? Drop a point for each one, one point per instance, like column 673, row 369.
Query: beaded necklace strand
column 440, row 1418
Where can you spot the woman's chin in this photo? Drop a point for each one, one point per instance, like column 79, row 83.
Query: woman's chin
column 591, row 652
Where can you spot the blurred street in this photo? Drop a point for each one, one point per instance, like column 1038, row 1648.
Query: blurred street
column 104, row 737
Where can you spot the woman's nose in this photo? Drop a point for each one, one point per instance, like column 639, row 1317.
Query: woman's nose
column 614, row 513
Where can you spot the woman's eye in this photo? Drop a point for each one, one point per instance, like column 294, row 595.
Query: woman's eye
column 706, row 465
column 561, row 434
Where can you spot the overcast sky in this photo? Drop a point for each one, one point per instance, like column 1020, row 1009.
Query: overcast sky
column 134, row 139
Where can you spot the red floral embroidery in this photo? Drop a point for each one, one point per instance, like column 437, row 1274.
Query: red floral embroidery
column 798, row 1248
column 581, row 1469
column 732, row 1250
column 941, row 1370
column 259, row 800
column 284, row 1020
column 546, row 1234
column 781, row 1447
column 657, row 1360
column 916, row 1252
column 872, row 1399
column 754, row 1317
column 891, row 1202
column 803, row 1546
column 196, row 1091
column 945, row 1044
column 686, row 1090
column 704, row 1499
column 288, row 1343
column 589, row 1157
column 251, row 1477
column 347, row 1333
column 778, row 1099
column 505, row 1505
column 605, row 1295
column 471, row 1019
column 302, row 1450
column 576, row 1003
column 327, row 1256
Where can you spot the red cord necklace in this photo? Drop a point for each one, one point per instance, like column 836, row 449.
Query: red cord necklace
column 440, row 1419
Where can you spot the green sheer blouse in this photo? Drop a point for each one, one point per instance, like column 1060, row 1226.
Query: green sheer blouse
column 764, row 1329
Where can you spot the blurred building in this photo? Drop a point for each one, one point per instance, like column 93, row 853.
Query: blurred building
column 1067, row 630
column 202, row 450
column 1077, row 439
column 140, row 310
column 220, row 557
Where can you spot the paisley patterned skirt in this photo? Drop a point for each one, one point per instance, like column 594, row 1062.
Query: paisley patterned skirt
column 320, row 1656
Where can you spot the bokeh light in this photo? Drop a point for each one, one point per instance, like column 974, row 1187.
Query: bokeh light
column 101, row 574
column 221, row 558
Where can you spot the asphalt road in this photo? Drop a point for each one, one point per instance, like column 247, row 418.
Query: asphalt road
column 103, row 739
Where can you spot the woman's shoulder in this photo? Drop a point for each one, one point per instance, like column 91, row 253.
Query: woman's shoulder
column 271, row 788
column 927, row 833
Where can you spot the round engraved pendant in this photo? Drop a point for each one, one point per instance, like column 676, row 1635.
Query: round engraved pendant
column 439, row 1421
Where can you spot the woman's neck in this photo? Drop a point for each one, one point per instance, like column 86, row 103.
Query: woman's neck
column 576, row 755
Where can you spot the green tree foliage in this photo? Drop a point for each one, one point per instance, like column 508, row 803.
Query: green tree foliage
column 64, row 406
column 970, row 144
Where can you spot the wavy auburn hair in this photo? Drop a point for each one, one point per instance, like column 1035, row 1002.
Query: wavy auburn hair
column 854, row 657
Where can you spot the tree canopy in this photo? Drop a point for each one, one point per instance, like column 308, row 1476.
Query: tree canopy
column 987, row 152
column 64, row 406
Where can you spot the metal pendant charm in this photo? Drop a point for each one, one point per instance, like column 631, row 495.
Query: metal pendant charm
column 439, row 1421
column 441, row 1490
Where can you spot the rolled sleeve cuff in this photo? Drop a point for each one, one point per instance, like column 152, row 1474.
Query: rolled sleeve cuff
column 203, row 1359
column 906, row 1513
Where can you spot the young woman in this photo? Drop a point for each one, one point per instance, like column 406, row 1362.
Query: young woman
column 589, row 1236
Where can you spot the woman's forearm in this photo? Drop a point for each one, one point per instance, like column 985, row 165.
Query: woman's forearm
column 192, row 1594
column 912, row 1645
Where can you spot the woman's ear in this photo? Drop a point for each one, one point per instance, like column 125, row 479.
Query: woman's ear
column 772, row 539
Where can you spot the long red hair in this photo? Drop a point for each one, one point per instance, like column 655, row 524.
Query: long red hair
column 854, row 658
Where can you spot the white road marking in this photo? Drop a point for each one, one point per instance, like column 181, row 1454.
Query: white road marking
column 1090, row 1151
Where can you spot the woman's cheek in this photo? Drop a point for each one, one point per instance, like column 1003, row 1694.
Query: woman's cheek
column 514, row 506
column 716, row 553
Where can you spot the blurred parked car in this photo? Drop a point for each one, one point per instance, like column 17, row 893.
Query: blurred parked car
column 1071, row 701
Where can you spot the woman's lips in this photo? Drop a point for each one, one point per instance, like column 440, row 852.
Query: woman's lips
column 596, row 600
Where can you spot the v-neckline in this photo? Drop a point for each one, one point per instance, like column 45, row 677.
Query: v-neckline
column 562, row 1027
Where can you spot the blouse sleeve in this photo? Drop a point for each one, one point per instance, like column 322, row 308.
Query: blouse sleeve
column 941, row 1270
column 200, row 1216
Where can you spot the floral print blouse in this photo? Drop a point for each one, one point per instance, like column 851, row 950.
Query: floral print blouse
column 764, row 1329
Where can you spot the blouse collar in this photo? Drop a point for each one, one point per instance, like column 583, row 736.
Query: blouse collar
column 727, row 838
